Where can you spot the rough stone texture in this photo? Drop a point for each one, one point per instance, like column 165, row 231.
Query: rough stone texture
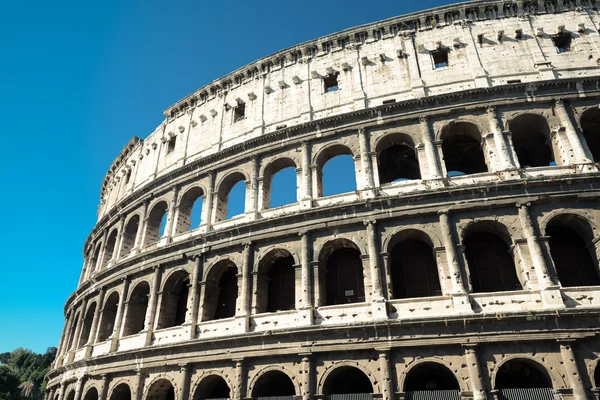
column 152, row 312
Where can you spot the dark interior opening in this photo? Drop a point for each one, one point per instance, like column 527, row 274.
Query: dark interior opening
column 282, row 285
column 161, row 390
column 330, row 82
column 228, row 293
column 347, row 380
column 136, row 310
column 430, row 376
column 174, row 301
column 590, row 125
column 212, row 387
column 239, row 112
column 109, row 313
column 121, row 392
column 572, row 259
column 562, row 41
column 414, row 270
column 522, row 374
column 440, row 58
column 398, row 162
column 91, row 394
column 274, row 383
column 463, row 155
column 171, row 144
column 345, row 282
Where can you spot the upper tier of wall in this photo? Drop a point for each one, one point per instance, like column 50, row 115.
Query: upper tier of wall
column 489, row 43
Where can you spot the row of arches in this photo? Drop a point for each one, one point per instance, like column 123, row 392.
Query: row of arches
column 513, row 377
column 490, row 265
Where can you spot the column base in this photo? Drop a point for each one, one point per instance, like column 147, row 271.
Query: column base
column 306, row 316
column 305, row 204
column 552, row 298
column 462, row 303
column 379, row 309
column 242, row 323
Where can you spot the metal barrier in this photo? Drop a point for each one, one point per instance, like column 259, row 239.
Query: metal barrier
column 433, row 395
column 276, row 398
column 350, row 396
column 528, row 394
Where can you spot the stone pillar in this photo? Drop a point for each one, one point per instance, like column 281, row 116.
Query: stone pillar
column 100, row 260
column 152, row 304
column 573, row 375
column 504, row 155
column 245, row 281
column 306, row 377
column 378, row 300
column 184, row 383
column 195, row 292
column 475, row 372
column 79, row 323
column 170, row 225
column 433, row 166
column 95, row 323
column 140, row 236
column 387, row 385
column 537, row 258
column 307, row 193
column 119, row 317
column 207, row 209
column 79, row 387
column 306, row 275
column 387, row 268
column 459, row 295
column 61, row 391
column 119, row 241
column 103, row 392
column 138, row 386
column 240, row 384
column 417, row 85
column 365, row 160
column 63, row 339
column 251, row 206
column 581, row 154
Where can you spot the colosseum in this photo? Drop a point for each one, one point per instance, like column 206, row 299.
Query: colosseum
column 463, row 265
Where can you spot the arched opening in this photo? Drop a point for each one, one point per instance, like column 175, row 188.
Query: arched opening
column 109, row 314
column 129, row 234
column 161, row 390
column 276, row 282
column 91, row 394
column 96, row 261
column 121, row 392
column 521, row 374
column 221, row 291
column 569, row 236
column 280, row 183
column 136, row 309
column 531, row 140
column 190, row 210
column 274, row 384
column 156, row 223
column 461, row 146
column 347, row 380
column 336, row 171
column 231, row 196
column 590, row 127
column 87, row 325
column 71, row 395
column 212, row 387
column 430, row 377
column 597, row 376
column 174, row 305
column 397, row 159
column 413, row 267
column 72, row 330
column 490, row 260
column 109, row 250
column 344, row 280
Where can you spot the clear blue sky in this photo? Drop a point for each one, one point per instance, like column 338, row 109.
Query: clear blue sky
column 77, row 81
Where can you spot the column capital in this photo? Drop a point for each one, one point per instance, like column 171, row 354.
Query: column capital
column 523, row 205
column 491, row 110
column 558, row 103
column 423, row 119
column 370, row 222
column 443, row 212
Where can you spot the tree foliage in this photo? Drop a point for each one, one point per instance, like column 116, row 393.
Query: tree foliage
column 22, row 374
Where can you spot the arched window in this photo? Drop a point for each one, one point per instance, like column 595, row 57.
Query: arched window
column 156, row 223
column 347, row 380
column 344, row 272
column 212, row 387
column 491, row 264
column 136, row 309
column 91, row 394
column 461, row 145
column 174, row 305
column 161, row 390
column 523, row 379
column 597, row 376
column 430, row 377
column 274, row 384
column 232, row 196
column 280, row 183
column 397, row 159
column 276, row 282
column 109, row 314
column 72, row 330
column 129, row 235
column 96, row 261
column 590, row 126
column 121, row 392
column 336, row 171
column 109, row 250
column 87, row 325
column 71, row 395
column 221, row 291
column 531, row 140
column 190, row 210
column 569, row 235
column 413, row 267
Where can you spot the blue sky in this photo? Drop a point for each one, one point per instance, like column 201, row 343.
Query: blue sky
column 77, row 81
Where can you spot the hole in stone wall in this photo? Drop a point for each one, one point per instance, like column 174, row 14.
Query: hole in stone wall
column 161, row 390
column 562, row 41
column 227, row 297
column 129, row 235
column 273, row 383
column 109, row 313
column 330, row 82
column 171, row 144
column 530, row 136
column 136, row 310
column 157, row 221
column 347, row 380
column 121, row 392
column 237, row 200
column 398, row 162
column 590, row 125
column 430, row 376
column 91, row 394
column 522, row 374
column 87, row 325
column 212, row 387
column 344, row 279
column 414, row 270
column 338, row 175
column 175, row 295
column 239, row 112
column 440, row 58
column 461, row 146
column 190, row 210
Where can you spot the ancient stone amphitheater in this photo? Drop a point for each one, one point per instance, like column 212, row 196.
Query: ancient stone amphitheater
column 463, row 265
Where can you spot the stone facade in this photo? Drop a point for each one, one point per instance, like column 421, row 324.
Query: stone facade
column 464, row 264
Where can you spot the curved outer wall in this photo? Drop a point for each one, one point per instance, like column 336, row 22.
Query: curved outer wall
column 148, row 312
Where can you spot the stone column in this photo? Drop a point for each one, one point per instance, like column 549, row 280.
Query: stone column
column 103, row 392
column 63, row 339
column 138, row 386
column 459, row 295
column 207, row 207
column 78, row 330
column 378, row 300
column 387, row 385
column 170, row 225
column 140, row 236
column 240, row 384
column 474, row 372
column 365, row 160
column 196, row 276
column 119, row 241
column 504, row 156
column 573, row 375
column 433, row 166
column 119, row 317
column 307, row 192
column 245, row 281
column 387, row 268
column 61, row 391
column 306, row 376
column 306, row 275
column 100, row 260
column 152, row 304
column 78, row 388
column 251, row 206
column 581, row 154
column 95, row 323
column 184, row 383
column 417, row 85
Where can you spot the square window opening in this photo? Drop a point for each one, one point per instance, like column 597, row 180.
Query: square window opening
column 171, row 144
column 239, row 112
column 562, row 42
column 331, row 82
column 440, row 58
